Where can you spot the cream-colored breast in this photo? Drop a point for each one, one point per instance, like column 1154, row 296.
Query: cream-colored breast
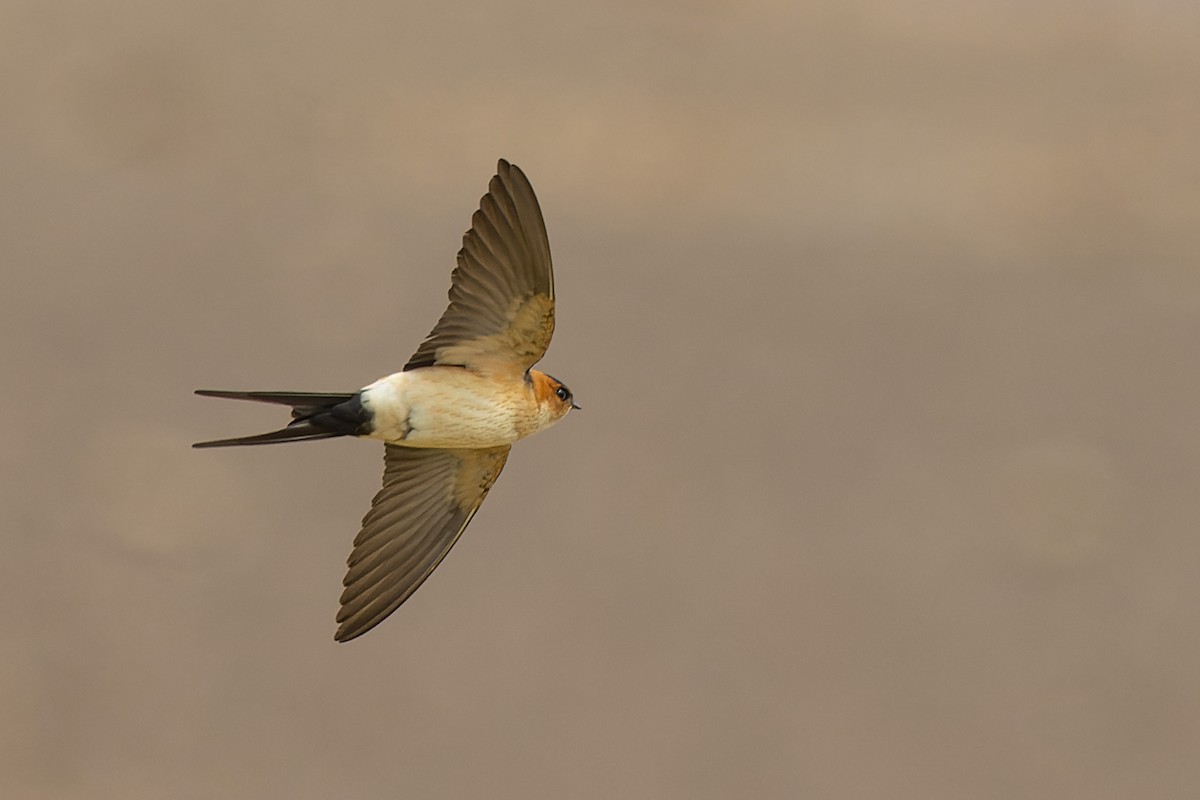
column 449, row 407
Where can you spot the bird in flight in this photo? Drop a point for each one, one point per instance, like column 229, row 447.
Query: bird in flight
column 450, row 417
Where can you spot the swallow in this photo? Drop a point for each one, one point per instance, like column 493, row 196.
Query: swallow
column 449, row 418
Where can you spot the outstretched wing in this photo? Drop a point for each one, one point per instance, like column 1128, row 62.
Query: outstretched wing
column 427, row 499
column 501, row 313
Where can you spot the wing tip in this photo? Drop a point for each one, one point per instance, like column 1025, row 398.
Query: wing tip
column 345, row 634
column 352, row 626
column 507, row 171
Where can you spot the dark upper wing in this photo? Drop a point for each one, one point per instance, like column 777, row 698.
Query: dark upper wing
column 427, row 499
column 501, row 313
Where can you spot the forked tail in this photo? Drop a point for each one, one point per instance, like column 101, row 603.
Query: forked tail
column 314, row 416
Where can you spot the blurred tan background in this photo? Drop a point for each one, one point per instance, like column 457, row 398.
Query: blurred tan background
column 884, row 318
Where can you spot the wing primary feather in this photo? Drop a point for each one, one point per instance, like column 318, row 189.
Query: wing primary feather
column 371, row 560
column 500, row 317
column 427, row 500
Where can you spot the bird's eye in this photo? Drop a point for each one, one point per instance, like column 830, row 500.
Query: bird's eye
column 562, row 393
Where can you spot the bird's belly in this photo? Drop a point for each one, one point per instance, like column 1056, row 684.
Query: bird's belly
column 417, row 409
column 462, row 425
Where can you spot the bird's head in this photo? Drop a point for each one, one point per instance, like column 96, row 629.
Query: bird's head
column 553, row 397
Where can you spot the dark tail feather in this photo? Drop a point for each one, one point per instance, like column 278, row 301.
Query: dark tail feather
column 281, row 398
column 315, row 416
column 300, row 433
